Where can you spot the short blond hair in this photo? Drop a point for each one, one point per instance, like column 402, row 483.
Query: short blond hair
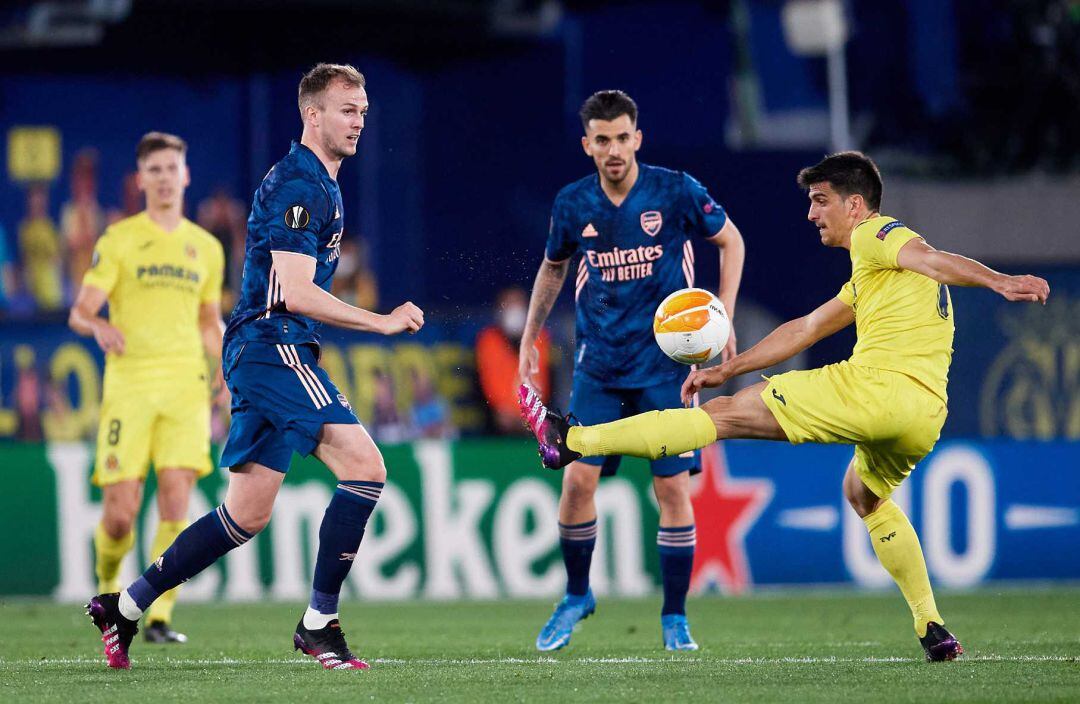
column 321, row 76
column 156, row 141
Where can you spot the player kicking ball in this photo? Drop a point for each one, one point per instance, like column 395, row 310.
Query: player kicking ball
column 282, row 401
column 888, row 399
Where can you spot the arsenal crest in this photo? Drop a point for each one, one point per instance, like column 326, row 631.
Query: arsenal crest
column 651, row 222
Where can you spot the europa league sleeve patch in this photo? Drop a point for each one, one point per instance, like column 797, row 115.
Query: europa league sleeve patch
column 297, row 217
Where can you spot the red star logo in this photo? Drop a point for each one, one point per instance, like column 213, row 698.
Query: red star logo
column 725, row 509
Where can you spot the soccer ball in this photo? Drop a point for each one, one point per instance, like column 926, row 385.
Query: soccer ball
column 691, row 326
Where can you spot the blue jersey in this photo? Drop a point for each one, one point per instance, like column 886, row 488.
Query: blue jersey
column 297, row 208
column 633, row 256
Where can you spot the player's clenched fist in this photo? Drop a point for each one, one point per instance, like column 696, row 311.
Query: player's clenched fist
column 406, row 317
column 704, row 379
column 1024, row 288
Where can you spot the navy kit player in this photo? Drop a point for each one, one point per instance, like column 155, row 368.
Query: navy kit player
column 282, row 400
column 634, row 227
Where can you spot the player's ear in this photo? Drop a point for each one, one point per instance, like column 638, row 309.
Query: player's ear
column 139, row 180
column 187, row 175
column 586, row 145
column 637, row 139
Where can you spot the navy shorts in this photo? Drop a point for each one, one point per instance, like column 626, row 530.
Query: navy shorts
column 280, row 400
column 593, row 403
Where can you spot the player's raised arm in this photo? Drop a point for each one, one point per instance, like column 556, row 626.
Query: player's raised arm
column 781, row 344
column 956, row 270
column 295, row 273
column 546, row 288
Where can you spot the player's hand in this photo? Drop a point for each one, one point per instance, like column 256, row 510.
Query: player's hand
column 729, row 350
column 405, row 318
column 704, row 379
column 1024, row 288
column 528, row 364
column 108, row 337
column 219, row 390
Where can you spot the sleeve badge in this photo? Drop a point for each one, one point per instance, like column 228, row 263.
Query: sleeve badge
column 297, row 217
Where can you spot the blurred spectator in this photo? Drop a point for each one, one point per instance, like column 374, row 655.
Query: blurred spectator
column 386, row 424
column 40, row 245
column 131, row 200
column 27, row 394
column 430, row 414
column 81, row 218
column 225, row 217
column 58, row 421
column 7, row 272
column 497, row 360
column 354, row 281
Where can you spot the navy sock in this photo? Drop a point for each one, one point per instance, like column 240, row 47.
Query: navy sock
column 195, row 549
column 340, row 534
column 577, row 543
column 676, row 546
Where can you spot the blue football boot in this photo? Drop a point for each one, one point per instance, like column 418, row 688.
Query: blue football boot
column 677, row 633
column 556, row 632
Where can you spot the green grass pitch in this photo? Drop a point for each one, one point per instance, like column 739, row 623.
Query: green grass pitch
column 1023, row 645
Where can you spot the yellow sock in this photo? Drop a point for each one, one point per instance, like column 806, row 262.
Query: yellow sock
column 898, row 550
column 162, row 608
column 653, row 435
column 109, row 552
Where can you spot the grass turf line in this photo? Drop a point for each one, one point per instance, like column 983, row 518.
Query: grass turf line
column 788, row 647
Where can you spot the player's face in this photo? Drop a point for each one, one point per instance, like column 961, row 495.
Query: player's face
column 163, row 176
column 613, row 146
column 341, row 118
column 833, row 214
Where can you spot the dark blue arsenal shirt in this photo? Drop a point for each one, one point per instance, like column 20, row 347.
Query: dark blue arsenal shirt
column 632, row 257
column 297, row 208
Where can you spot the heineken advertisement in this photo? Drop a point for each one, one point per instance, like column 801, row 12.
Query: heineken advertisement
column 477, row 519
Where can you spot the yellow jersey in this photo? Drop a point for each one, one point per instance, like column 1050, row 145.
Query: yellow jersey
column 156, row 281
column 903, row 320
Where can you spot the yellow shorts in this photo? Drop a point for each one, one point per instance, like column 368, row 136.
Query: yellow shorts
column 893, row 420
column 153, row 415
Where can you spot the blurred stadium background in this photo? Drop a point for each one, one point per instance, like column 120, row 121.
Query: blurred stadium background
column 970, row 109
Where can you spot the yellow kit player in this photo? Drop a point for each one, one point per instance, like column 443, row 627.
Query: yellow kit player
column 161, row 275
column 888, row 399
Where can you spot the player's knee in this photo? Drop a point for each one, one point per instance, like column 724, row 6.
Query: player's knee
column 118, row 522
column 720, row 410
column 364, row 463
column 671, row 494
column 862, row 504
column 252, row 519
column 579, row 487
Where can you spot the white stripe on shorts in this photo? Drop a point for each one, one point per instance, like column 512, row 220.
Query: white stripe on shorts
column 320, row 390
column 299, row 375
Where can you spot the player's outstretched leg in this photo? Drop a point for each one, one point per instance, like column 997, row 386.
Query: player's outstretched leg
column 897, row 548
column 550, row 428
column 116, row 629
